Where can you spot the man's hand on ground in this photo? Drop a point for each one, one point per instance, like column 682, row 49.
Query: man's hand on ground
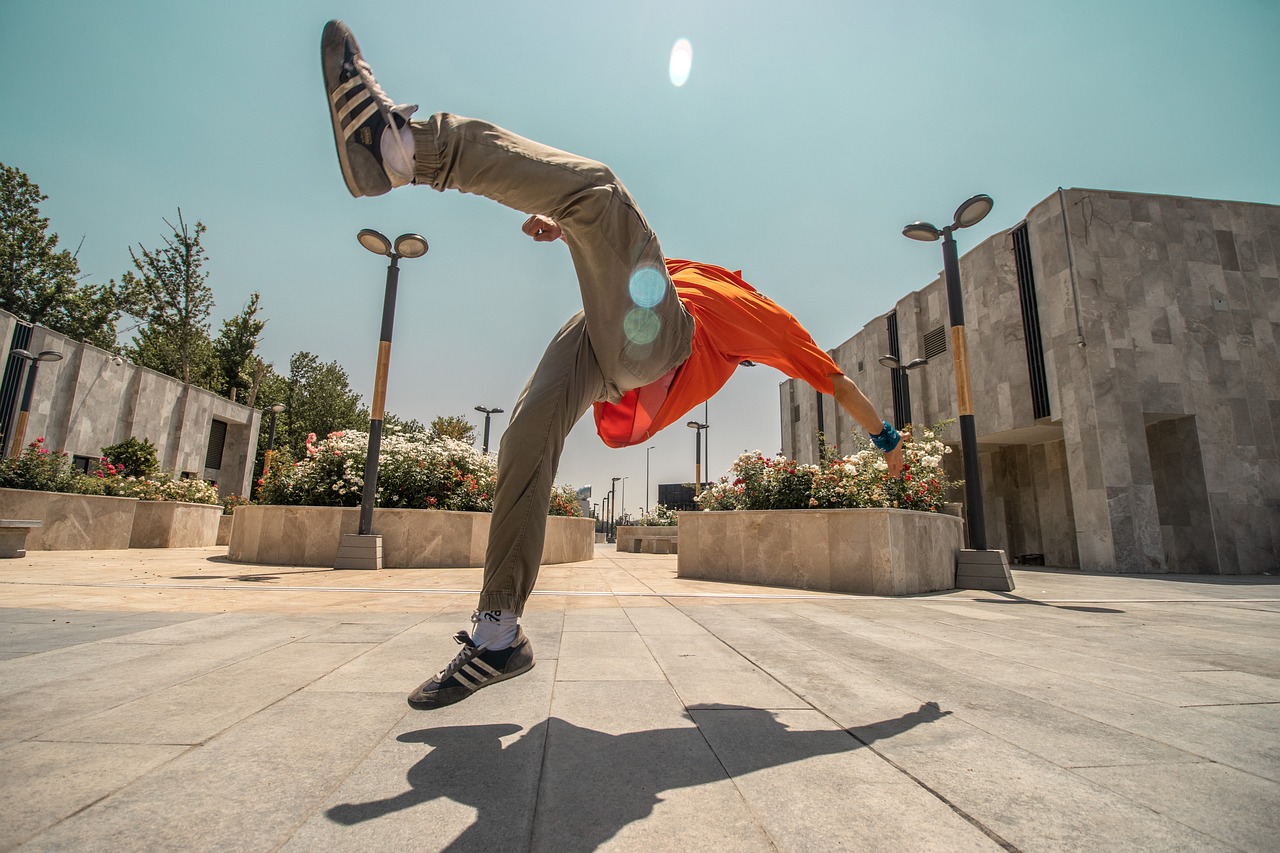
column 541, row 228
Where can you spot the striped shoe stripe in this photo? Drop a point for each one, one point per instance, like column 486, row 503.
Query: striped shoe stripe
column 467, row 682
column 493, row 673
column 359, row 120
column 344, row 88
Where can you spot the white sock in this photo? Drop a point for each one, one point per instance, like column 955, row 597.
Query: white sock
column 496, row 628
column 397, row 156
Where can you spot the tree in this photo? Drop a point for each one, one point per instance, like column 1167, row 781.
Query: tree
column 393, row 424
column 453, row 426
column 236, row 349
column 318, row 399
column 38, row 282
column 170, row 296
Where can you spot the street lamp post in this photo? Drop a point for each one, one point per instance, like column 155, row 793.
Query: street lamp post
column 20, row 425
column 487, row 414
column 613, row 510
column 975, row 566
column 275, row 409
column 697, row 427
column 646, row 476
column 367, row 553
column 900, row 375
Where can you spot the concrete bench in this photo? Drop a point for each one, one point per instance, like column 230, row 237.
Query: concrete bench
column 642, row 539
column 13, row 536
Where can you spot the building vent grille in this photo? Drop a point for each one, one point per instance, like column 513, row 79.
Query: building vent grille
column 1031, row 323
column 898, row 378
column 935, row 342
column 217, row 440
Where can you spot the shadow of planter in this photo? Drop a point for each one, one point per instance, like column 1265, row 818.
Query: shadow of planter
column 866, row 551
column 71, row 522
column 411, row 538
column 175, row 524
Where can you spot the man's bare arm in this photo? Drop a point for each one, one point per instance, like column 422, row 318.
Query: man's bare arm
column 853, row 401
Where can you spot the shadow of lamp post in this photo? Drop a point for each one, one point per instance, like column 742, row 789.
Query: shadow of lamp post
column 976, row 567
column 363, row 550
column 20, row 424
column 487, row 414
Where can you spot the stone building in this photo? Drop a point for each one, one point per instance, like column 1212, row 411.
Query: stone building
column 91, row 399
column 1125, row 375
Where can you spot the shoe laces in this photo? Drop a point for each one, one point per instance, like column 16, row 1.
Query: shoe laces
column 465, row 655
column 366, row 75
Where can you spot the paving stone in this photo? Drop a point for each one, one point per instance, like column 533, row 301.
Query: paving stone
column 248, row 789
column 813, row 786
column 704, row 671
column 43, row 783
column 627, row 769
column 60, row 629
column 605, row 656
column 196, row 710
column 1237, row 808
column 463, row 777
column 596, row 620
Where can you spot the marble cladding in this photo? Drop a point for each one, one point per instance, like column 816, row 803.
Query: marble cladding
column 866, row 551
column 1152, row 309
column 71, row 522
column 86, row 402
column 175, row 524
column 411, row 538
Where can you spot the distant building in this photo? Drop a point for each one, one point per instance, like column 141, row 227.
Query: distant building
column 677, row 496
column 90, row 400
column 1126, row 382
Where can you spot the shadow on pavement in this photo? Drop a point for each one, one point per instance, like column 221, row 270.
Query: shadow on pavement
column 588, row 785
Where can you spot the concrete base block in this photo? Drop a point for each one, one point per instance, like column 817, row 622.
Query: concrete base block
column 359, row 552
column 13, row 537
column 983, row 570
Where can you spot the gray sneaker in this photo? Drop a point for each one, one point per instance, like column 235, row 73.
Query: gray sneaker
column 473, row 667
column 373, row 160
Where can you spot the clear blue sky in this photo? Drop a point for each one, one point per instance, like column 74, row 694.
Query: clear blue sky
column 807, row 135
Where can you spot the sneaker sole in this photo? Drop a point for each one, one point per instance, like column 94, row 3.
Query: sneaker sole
column 363, row 174
column 457, row 694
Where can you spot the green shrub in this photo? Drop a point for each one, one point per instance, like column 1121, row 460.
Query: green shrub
column 40, row 469
column 134, row 458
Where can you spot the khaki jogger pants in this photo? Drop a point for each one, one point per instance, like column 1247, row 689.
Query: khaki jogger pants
column 632, row 329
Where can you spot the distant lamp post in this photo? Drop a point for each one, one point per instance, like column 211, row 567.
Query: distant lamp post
column 275, row 409
column 367, row 554
column 646, row 476
column 487, row 414
column 902, row 386
column 20, row 424
column 970, row 212
column 613, row 510
column 697, row 427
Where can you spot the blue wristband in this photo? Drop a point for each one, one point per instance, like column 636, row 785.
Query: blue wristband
column 888, row 438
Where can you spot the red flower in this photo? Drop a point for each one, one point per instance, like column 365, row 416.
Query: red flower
column 906, row 477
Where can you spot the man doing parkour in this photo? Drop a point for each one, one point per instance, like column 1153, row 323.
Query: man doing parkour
column 656, row 336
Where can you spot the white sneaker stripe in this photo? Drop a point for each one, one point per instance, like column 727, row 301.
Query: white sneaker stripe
column 492, row 672
column 351, row 106
column 479, row 676
column 465, row 682
column 355, row 123
column 344, row 88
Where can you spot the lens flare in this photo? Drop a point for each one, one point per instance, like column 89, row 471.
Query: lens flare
column 648, row 286
column 681, row 62
column 641, row 325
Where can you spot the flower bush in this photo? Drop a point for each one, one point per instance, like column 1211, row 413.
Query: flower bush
column 40, row 469
column 659, row 516
column 564, row 501
column 859, row 480
column 230, row 503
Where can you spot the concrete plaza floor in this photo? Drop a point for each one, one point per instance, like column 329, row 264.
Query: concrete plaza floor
column 171, row 700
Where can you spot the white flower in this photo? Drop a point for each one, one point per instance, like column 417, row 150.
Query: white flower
column 881, row 465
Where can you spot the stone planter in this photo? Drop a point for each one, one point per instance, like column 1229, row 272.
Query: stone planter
column 175, row 524
column 647, row 539
column 71, row 522
column 411, row 538
column 224, row 530
column 866, row 551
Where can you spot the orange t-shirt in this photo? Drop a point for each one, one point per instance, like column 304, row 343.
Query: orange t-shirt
column 733, row 322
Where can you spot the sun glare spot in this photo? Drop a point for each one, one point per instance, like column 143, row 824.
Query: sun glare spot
column 681, row 62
